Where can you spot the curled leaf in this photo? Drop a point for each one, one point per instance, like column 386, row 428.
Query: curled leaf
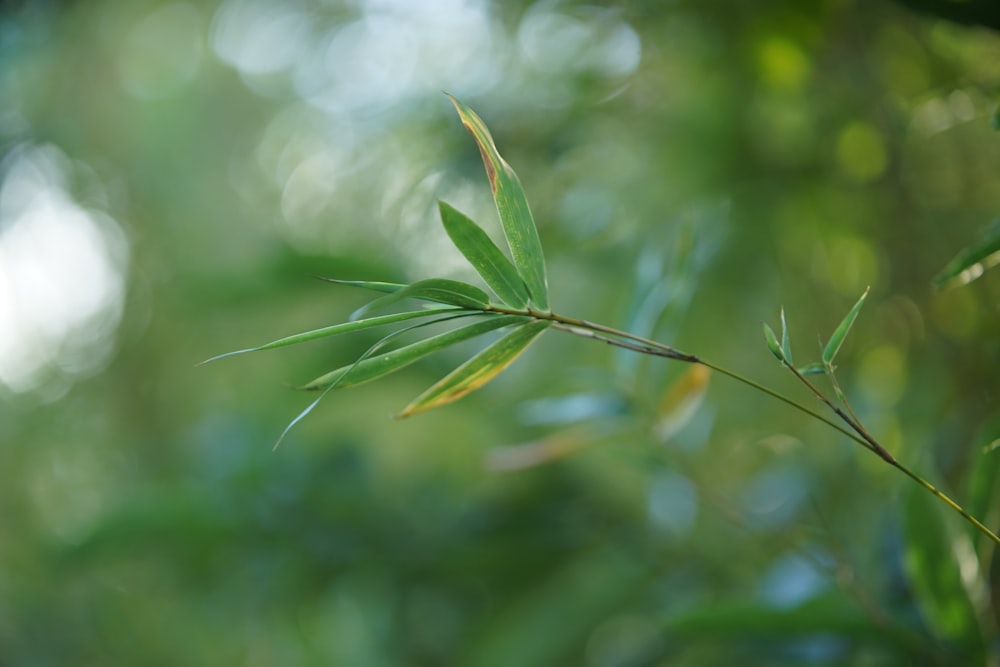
column 772, row 343
column 786, row 345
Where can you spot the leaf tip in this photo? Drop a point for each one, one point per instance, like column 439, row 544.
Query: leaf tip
column 772, row 342
column 223, row 356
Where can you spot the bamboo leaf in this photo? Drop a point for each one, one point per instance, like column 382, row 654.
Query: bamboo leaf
column 366, row 284
column 484, row 256
column 786, row 345
column 383, row 364
column 439, row 290
column 558, row 445
column 512, row 205
column 368, row 353
column 772, row 343
column 934, row 553
column 973, row 261
column 837, row 339
column 334, row 330
column 812, row 369
column 478, row 370
column 680, row 402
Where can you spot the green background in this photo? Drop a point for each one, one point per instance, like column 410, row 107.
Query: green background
column 174, row 173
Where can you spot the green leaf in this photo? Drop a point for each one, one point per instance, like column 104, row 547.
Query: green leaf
column 334, row 330
column 786, row 345
column 812, row 369
column 973, row 261
column 383, row 364
column 478, row 370
column 512, row 205
column 772, row 343
column 484, row 256
column 368, row 353
column 935, row 551
column 440, row 290
column 366, row 284
column 983, row 485
column 837, row 339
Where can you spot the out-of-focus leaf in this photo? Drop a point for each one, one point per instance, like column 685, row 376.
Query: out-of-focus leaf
column 593, row 586
column 983, row 487
column 557, row 411
column 812, row 369
column 551, row 448
column 365, row 284
column 512, row 205
column 772, row 343
column 350, row 369
column 680, row 401
column 973, row 261
column 439, row 290
column 996, row 120
column 729, row 621
column 484, row 256
column 383, row 364
column 478, row 370
column 786, row 345
column 837, row 339
column 937, row 556
column 345, row 327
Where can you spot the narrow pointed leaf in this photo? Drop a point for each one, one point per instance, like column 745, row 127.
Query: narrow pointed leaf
column 484, row 256
column 812, row 369
column 383, row 364
column 300, row 417
column 512, row 205
column 336, row 329
column 680, row 402
column 366, row 284
column 786, row 345
column 772, row 343
column 934, row 553
column 478, row 370
column 368, row 353
column 973, row 261
column 837, row 339
column 439, row 290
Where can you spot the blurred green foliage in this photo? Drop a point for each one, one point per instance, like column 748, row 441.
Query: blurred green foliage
column 172, row 174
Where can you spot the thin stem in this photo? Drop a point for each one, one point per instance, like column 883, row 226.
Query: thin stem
column 781, row 397
column 850, row 420
column 856, row 433
column 945, row 499
column 671, row 353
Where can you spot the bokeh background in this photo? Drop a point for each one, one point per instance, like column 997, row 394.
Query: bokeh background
column 173, row 173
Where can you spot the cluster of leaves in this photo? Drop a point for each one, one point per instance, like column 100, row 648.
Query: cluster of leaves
column 783, row 350
column 520, row 288
column 522, row 307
